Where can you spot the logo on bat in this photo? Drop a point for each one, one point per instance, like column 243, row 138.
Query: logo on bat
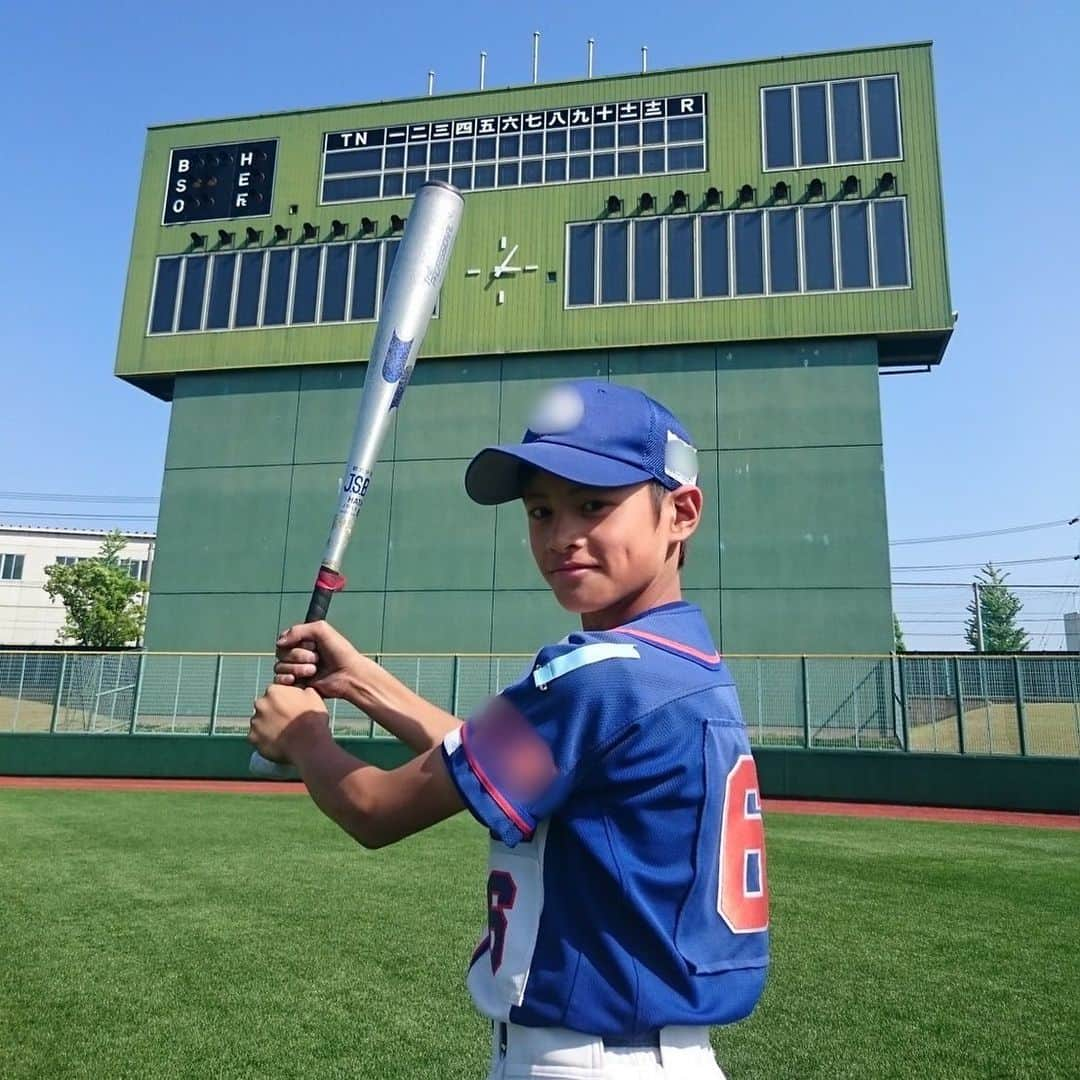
column 397, row 355
column 399, row 393
column 356, row 484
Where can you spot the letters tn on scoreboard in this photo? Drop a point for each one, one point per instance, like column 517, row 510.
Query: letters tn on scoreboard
column 230, row 181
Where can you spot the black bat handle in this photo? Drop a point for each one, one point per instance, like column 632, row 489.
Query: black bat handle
column 319, row 604
column 326, row 584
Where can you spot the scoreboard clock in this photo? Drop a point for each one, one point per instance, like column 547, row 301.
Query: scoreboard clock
column 231, row 181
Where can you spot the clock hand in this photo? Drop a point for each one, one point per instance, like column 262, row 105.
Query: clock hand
column 510, row 255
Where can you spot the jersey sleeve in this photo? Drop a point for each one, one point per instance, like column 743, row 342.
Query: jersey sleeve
column 518, row 759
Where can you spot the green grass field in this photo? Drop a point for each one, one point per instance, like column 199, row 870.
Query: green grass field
column 159, row 935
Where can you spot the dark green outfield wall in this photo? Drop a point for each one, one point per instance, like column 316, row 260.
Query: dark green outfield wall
column 156, row 756
column 975, row 782
column 792, row 556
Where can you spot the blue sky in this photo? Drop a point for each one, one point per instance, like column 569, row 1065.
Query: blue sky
column 987, row 441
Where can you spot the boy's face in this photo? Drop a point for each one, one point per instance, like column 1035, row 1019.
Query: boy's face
column 601, row 549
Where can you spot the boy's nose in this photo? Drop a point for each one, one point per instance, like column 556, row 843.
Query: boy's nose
column 564, row 535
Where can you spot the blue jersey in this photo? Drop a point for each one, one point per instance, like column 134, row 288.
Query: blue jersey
column 626, row 887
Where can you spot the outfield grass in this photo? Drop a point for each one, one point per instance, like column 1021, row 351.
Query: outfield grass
column 158, row 935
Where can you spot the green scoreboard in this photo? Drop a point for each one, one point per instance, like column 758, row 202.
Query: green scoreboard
column 751, row 243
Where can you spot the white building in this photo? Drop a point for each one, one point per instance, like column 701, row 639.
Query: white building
column 27, row 615
column 1072, row 631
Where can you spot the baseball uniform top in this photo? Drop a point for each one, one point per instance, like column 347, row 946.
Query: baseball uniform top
column 626, row 887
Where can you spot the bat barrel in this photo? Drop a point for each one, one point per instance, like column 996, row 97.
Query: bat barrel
column 407, row 308
column 411, row 295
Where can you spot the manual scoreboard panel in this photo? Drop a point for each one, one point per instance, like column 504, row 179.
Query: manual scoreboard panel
column 777, row 199
column 210, row 182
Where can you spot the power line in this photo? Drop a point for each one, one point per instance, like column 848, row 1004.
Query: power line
column 41, row 496
column 1060, row 615
column 914, row 615
column 1054, row 620
column 987, row 532
column 1004, row 562
column 79, row 517
column 1065, row 588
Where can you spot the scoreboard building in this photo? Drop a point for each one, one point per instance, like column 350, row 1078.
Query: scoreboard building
column 751, row 243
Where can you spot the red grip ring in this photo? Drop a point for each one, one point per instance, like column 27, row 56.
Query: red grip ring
column 329, row 580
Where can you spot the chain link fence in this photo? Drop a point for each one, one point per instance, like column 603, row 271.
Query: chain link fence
column 943, row 704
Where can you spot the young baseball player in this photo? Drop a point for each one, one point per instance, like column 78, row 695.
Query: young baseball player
column 626, row 896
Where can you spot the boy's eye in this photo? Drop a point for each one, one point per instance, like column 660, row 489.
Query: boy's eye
column 538, row 513
column 593, row 506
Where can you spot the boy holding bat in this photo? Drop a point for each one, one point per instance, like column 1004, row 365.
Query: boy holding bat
column 626, row 894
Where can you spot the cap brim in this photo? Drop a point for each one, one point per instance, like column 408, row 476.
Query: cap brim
column 495, row 475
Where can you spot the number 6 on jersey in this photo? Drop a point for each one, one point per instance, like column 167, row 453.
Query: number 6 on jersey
column 743, row 900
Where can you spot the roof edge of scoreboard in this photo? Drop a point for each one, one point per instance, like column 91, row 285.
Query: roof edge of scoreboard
column 476, row 92
column 924, row 347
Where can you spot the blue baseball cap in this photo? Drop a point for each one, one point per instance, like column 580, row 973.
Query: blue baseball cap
column 597, row 434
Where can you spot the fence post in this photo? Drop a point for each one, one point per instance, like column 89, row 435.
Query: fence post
column 18, row 696
column 454, row 686
column 97, row 699
column 216, row 698
column 176, row 698
column 1074, row 693
column 371, row 719
column 855, row 702
column 1021, row 718
column 985, row 690
column 760, row 713
column 136, row 700
column 116, row 691
column 892, row 693
column 905, row 731
column 59, row 692
column 805, row 705
column 959, row 704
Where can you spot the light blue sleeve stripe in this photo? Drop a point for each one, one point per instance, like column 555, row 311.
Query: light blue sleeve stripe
column 587, row 654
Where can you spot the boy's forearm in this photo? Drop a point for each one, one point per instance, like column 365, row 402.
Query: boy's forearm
column 336, row 782
column 405, row 714
column 373, row 806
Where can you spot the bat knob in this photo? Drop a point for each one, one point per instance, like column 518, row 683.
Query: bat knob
column 270, row 770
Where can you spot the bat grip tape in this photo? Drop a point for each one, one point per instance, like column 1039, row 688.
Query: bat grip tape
column 326, row 584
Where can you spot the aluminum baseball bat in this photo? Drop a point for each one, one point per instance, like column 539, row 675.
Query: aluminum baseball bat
column 407, row 309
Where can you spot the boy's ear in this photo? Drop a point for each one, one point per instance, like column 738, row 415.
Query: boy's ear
column 686, row 503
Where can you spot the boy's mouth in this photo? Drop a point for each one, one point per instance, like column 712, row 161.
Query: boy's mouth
column 571, row 569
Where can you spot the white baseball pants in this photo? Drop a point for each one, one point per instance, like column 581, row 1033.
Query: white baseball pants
column 518, row 1052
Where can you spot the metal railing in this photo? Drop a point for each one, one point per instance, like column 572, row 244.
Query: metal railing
column 1028, row 705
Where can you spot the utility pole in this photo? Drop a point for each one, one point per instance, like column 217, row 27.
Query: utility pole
column 978, row 617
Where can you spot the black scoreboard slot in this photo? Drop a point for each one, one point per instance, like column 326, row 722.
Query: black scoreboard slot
column 210, row 182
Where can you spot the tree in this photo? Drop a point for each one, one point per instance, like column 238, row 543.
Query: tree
column 897, row 635
column 101, row 597
column 1000, row 606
